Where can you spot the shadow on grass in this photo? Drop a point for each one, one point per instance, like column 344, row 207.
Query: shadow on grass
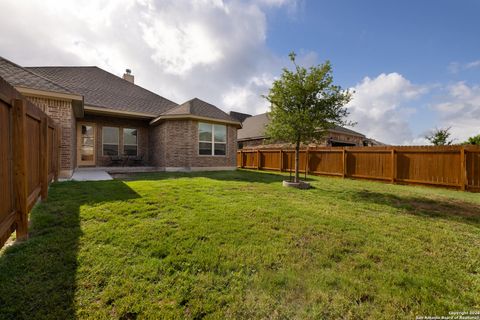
column 37, row 277
column 449, row 209
column 237, row 175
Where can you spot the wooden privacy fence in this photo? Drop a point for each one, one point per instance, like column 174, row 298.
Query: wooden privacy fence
column 29, row 142
column 447, row 166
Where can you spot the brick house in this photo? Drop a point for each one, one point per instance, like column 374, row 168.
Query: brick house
column 252, row 134
column 106, row 120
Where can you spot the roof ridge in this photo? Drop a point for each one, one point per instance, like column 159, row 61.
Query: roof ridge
column 190, row 100
column 62, row 67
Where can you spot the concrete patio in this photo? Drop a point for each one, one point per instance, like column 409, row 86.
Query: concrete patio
column 103, row 173
column 90, row 174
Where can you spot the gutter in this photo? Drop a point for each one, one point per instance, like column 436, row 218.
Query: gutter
column 193, row 117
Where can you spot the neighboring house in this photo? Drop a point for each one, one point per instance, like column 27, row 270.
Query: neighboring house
column 252, row 134
column 105, row 118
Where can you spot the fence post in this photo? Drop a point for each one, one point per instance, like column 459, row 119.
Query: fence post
column 44, row 157
column 344, row 162
column 463, row 171
column 307, row 162
column 394, row 166
column 258, row 159
column 57, row 151
column 281, row 160
column 20, row 167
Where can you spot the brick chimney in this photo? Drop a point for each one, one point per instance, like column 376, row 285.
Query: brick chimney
column 129, row 76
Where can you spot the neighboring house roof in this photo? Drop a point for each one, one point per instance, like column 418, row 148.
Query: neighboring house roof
column 346, row 131
column 106, row 91
column 199, row 109
column 254, row 128
column 239, row 116
column 374, row 142
column 21, row 77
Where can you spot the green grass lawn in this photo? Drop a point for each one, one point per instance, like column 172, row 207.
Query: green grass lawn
column 239, row 245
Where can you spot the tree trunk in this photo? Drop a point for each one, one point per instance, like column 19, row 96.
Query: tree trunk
column 297, row 162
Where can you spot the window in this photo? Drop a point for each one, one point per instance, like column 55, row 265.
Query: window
column 212, row 139
column 110, row 141
column 130, row 142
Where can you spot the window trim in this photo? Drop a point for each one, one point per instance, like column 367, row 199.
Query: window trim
column 129, row 144
column 212, row 141
column 118, row 142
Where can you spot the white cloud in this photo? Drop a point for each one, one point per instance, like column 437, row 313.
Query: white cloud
column 380, row 107
column 473, row 64
column 248, row 95
column 179, row 49
column 212, row 49
column 456, row 67
column 460, row 110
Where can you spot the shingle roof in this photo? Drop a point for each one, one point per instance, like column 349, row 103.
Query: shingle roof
column 239, row 116
column 347, row 131
column 105, row 90
column 254, row 128
column 199, row 108
column 22, row 77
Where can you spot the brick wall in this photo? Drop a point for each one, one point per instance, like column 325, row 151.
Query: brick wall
column 229, row 160
column 156, row 145
column 251, row 143
column 174, row 144
column 106, row 121
column 61, row 111
column 343, row 137
column 358, row 141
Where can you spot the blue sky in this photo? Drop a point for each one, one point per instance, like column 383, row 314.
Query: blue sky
column 430, row 43
column 414, row 65
column 364, row 38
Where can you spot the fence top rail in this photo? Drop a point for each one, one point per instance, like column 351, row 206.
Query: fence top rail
column 430, row 151
column 320, row 150
column 270, row 150
column 368, row 151
column 410, row 149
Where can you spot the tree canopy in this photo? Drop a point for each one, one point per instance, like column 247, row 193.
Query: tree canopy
column 475, row 140
column 305, row 103
column 440, row 137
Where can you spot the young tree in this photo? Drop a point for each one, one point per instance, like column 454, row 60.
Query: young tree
column 440, row 137
column 474, row 140
column 304, row 105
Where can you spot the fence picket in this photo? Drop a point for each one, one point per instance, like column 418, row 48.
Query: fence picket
column 31, row 141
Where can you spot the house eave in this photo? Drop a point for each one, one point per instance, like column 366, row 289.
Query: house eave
column 193, row 117
column 251, row 138
column 119, row 113
column 77, row 100
column 48, row 94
